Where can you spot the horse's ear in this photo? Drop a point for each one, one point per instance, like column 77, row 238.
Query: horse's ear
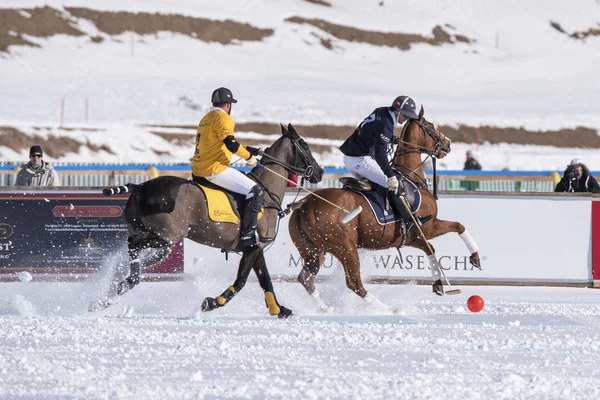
column 292, row 130
column 421, row 113
column 283, row 130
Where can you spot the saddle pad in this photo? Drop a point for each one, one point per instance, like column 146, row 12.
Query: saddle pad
column 219, row 206
column 377, row 200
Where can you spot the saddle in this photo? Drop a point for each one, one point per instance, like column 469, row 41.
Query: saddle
column 381, row 207
column 223, row 205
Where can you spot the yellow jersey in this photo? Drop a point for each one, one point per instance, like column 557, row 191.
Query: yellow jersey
column 212, row 155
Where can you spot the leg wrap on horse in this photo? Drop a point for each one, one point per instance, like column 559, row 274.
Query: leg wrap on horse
column 272, row 303
column 435, row 268
column 133, row 279
column 226, row 296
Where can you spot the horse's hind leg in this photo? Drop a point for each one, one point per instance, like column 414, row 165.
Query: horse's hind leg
column 350, row 260
column 312, row 258
column 135, row 244
column 441, row 227
column 312, row 264
column 134, row 247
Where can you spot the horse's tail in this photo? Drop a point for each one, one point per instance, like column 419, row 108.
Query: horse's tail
column 119, row 189
column 297, row 204
column 297, row 232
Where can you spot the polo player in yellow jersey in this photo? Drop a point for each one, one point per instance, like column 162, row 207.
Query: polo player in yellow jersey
column 215, row 144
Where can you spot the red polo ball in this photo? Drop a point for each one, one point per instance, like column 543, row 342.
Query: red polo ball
column 475, row 303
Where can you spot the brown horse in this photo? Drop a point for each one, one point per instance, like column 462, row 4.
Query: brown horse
column 316, row 227
column 167, row 209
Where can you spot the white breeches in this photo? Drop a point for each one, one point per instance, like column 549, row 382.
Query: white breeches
column 234, row 180
column 366, row 167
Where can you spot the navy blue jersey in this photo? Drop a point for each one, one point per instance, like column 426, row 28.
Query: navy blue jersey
column 372, row 137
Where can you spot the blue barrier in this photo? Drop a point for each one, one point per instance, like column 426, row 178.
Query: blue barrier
column 328, row 170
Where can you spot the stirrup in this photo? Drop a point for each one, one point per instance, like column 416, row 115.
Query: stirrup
column 248, row 241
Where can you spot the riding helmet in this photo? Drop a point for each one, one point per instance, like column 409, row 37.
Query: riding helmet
column 222, row 95
column 405, row 106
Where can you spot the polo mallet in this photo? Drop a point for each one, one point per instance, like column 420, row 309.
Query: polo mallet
column 448, row 292
column 349, row 214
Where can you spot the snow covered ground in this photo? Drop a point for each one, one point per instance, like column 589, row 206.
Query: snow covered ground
column 527, row 343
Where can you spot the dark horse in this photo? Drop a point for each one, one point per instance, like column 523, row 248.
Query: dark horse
column 316, row 227
column 167, row 209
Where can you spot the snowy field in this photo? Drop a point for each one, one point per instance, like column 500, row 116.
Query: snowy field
column 527, row 343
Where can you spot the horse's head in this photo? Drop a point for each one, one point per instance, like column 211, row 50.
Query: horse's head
column 293, row 151
column 420, row 135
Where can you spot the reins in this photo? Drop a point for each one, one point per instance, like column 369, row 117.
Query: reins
column 408, row 148
column 308, row 171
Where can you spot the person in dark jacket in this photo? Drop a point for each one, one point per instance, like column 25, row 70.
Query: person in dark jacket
column 471, row 162
column 577, row 178
column 365, row 151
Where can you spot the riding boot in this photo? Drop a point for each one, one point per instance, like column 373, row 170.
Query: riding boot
column 248, row 235
column 397, row 203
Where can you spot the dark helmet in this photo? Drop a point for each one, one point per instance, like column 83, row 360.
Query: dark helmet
column 405, row 106
column 222, row 95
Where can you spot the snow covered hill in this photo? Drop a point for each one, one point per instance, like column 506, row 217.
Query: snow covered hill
column 106, row 69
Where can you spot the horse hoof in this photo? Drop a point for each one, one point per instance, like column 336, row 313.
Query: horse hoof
column 101, row 304
column 209, row 304
column 328, row 310
column 475, row 262
column 284, row 312
column 438, row 288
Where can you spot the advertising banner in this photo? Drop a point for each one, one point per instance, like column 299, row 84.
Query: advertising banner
column 544, row 239
column 521, row 239
column 67, row 233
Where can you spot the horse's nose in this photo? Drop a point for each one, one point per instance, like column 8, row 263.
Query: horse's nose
column 317, row 176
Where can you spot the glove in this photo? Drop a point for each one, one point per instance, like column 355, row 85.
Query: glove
column 255, row 151
column 395, row 140
column 251, row 162
column 392, row 182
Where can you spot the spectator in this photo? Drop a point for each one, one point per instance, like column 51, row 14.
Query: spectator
column 470, row 164
column 577, row 178
column 37, row 172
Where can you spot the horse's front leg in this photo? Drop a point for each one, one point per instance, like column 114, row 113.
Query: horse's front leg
column 244, row 268
column 436, row 273
column 441, row 227
column 262, row 273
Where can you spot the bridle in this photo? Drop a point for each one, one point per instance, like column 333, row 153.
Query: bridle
column 309, row 168
column 408, row 148
column 437, row 137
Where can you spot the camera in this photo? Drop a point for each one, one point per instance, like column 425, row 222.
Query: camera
column 571, row 174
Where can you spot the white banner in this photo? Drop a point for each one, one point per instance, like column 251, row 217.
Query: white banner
column 521, row 238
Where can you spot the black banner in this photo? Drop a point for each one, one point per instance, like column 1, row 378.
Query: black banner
column 60, row 233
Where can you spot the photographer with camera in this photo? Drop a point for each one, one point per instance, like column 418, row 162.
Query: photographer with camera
column 577, row 178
